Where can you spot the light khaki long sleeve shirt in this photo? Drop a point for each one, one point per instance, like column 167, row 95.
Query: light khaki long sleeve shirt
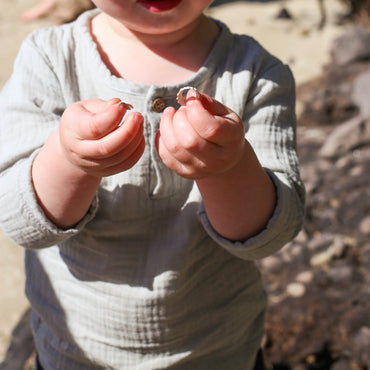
column 143, row 281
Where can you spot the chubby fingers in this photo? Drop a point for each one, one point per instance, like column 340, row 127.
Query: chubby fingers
column 200, row 120
column 202, row 137
column 94, row 139
column 211, row 119
column 93, row 119
column 178, row 136
column 95, row 130
column 127, row 135
column 180, row 146
column 121, row 159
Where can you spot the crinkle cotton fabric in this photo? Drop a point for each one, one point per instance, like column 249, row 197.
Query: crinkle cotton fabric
column 143, row 281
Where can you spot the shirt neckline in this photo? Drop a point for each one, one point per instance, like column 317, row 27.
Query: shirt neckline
column 122, row 85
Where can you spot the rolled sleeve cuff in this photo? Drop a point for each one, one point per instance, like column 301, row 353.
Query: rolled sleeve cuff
column 283, row 225
column 28, row 225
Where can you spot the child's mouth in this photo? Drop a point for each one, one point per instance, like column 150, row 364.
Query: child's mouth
column 157, row 6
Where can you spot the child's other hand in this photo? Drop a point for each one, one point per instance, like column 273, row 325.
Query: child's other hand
column 93, row 140
column 202, row 139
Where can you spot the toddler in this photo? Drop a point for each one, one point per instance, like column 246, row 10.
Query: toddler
column 142, row 216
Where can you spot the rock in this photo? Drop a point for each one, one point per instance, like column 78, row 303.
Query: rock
column 59, row 11
column 355, row 319
column 361, row 345
column 346, row 137
column 296, row 290
column 296, row 250
column 302, row 237
column 341, row 365
column 320, row 241
column 361, row 93
column 321, row 258
column 365, row 225
column 283, row 14
column 272, row 264
column 305, row 277
column 352, row 45
column 340, row 274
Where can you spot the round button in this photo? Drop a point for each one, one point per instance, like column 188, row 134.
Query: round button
column 159, row 105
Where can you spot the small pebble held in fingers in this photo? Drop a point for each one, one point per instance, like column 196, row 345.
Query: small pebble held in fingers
column 183, row 92
column 120, row 103
column 126, row 105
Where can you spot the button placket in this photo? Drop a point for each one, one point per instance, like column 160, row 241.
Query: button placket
column 163, row 182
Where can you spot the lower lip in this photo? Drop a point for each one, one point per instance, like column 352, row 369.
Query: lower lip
column 160, row 6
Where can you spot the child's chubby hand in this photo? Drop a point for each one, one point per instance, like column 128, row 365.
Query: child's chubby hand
column 203, row 138
column 93, row 140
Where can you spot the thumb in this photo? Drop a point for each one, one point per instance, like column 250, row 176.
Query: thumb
column 213, row 106
column 98, row 117
column 211, row 119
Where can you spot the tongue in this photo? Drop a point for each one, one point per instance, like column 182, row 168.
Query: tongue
column 160, row 5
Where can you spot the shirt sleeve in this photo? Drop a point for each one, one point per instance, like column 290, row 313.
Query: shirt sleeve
column 270, row 117
column 31, row 104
